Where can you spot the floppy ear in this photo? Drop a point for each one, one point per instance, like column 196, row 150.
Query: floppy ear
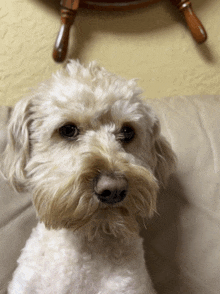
column 164, row 155
column 16, row 153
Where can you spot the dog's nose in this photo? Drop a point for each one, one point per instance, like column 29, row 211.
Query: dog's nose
column 110, row 189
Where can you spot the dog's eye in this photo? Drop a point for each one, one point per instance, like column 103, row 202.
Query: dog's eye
column 126, row 134
column 69, row 131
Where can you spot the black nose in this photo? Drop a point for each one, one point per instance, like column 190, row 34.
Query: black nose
column 110, row 189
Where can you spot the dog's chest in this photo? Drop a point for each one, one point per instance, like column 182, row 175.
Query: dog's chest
column 65, row 263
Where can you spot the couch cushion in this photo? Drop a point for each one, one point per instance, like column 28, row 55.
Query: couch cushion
column 17, row 217
column 182, row 242
column 4, row 116
column 183, row 245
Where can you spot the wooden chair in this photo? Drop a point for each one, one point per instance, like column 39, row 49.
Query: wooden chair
column 69, row 11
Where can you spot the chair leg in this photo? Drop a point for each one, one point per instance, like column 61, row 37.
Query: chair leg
column 69, row 11
column 68, row 14
column 194, row 24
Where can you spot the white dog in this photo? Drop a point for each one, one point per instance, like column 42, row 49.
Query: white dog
column 90, row 150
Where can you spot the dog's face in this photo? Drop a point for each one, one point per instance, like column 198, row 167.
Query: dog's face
column 90, row 149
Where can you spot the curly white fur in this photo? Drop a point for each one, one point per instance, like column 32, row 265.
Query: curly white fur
column 84, row 245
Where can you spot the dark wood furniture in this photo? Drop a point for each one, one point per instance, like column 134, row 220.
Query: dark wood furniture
column 69, row 11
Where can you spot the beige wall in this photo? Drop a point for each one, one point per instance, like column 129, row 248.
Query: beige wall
column 151, row 44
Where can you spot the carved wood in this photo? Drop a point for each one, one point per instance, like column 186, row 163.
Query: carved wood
column 69, row 11
column 194, row 24
column 68, row 14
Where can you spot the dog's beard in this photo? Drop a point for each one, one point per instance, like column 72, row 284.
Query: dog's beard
column 69, row 202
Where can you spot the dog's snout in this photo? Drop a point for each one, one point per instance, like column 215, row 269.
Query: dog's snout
column 111, row 189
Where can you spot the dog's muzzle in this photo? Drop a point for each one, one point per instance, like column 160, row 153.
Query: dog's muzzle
column 110, row 189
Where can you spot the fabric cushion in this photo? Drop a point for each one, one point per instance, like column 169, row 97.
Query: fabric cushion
column 182, row 241
column 184, row 237
column 17, row 217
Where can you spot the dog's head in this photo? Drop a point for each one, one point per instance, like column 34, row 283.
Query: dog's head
column 90, row 150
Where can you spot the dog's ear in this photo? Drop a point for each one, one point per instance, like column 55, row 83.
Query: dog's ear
column 165, row 157
column 16, row 153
